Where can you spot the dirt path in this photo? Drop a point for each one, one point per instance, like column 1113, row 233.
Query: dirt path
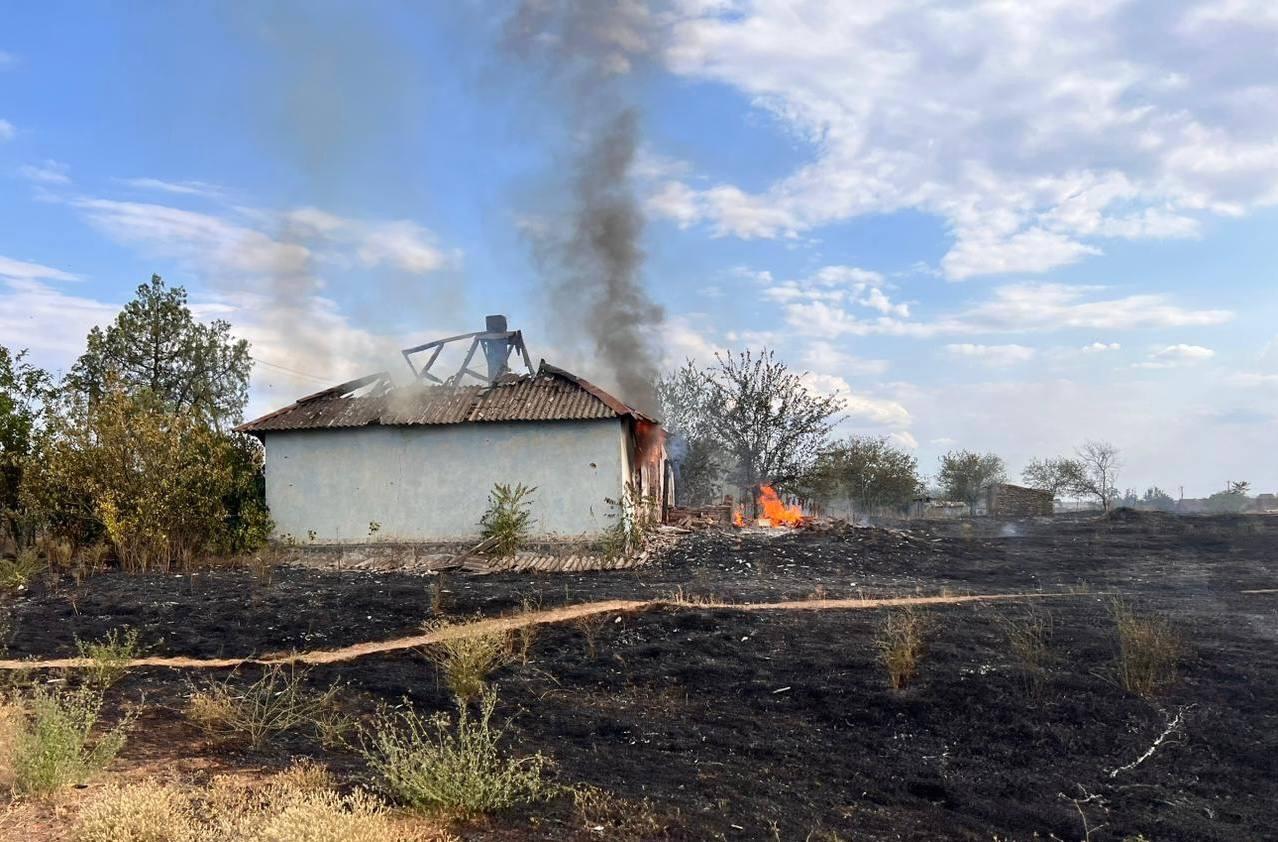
column 516, row 621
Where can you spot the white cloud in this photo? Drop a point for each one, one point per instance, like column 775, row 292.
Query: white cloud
column 833, row 285
column 994, row 355
column 1171, row 356
column 46, row 172
column 1056, row 128
column 180, row 188
column 7, row 131
column 402, row 244
column 212, row 243
column 1100, row 347
column 1012, row 308
column 859, row 409
column 1253, row 380
column 829, row 358
column 1032, row 306
column 905, row 439
column 49, row 322
column 20, row 270
column 1035, row 250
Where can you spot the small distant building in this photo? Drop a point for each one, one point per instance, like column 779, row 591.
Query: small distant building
column 931, row 508
column 1007, row 500
column 1267, row 503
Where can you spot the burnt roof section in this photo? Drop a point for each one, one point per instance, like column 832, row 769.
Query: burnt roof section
column 551, row 394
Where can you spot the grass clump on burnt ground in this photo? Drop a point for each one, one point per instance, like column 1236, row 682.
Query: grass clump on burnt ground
column 1149, row 650
column 712, row 722
column 902, row 643
column 256, row 711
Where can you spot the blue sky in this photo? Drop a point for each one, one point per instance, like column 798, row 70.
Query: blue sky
column 997, row 226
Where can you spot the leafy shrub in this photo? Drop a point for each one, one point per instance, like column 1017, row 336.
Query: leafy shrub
column 52, row 746
column 1149, row 651
column 432, row 765
column 633, row 523
column 142, row 812
column 276, row 703
column 16, row 572
column 161, row 485
column 466, row 661
column 507, row 522
column 110, row 656
column 902, row 643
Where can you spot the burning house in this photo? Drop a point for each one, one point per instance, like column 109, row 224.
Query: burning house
column 369, row 461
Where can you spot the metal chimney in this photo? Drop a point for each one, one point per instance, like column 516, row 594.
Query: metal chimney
column 496, row 345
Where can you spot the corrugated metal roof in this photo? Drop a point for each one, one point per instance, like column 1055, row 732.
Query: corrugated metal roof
column 549, row 395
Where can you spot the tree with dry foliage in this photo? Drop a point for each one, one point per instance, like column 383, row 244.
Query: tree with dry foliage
column 161, row 486
column 965, row 474
column 768, row 422
column 1099, row 477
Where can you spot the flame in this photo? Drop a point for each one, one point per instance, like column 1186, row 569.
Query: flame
column 776, row 512
column 738, row 519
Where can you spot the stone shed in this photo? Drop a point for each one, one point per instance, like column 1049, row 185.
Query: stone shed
column 1006, row 500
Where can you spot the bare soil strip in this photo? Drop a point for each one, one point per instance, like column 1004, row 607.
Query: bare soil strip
column 516, row 621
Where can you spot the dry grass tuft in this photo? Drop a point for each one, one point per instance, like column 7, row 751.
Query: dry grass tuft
column 1029, row 640
column 590, row 625
column 143, row 812
column 294, row 806
column 276, row 703
column 902, row 643
column 466, row 661
column 525, row 636
column 683, row 598
column 615, row 818
column 1149, row 651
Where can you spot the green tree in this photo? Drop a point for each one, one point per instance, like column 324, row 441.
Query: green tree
column 964, row 475
column 156, row 345
column 865, row 469
column 24, row 391
column 768, row 423
column 1059, row 476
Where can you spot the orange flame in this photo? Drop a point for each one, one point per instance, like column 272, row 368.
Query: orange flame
column 776, row 512
column 738, row 519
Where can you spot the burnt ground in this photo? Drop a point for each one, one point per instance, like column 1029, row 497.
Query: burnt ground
column 767, row 725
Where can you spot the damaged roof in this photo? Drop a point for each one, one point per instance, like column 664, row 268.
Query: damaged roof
column 551, row 394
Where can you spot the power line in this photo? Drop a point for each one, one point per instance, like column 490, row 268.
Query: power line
column 293, row 371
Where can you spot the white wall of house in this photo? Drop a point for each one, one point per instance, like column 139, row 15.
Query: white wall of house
column 431, row 483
